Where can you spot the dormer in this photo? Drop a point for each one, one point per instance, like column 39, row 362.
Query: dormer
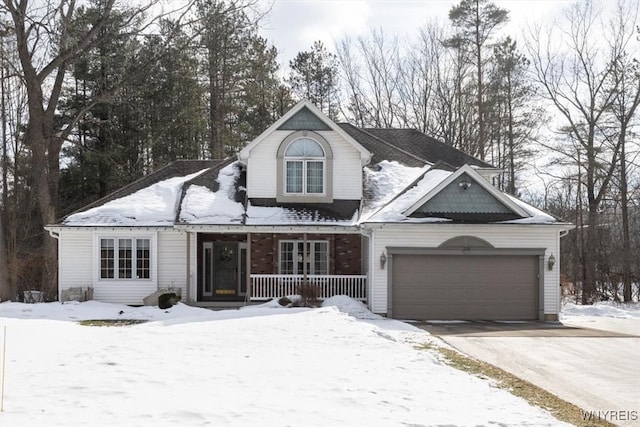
column 305, row 169
column 304, row 158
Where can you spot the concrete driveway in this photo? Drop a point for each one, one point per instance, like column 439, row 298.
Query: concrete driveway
column 591, row 362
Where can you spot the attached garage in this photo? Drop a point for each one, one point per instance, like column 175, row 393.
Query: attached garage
column 454, row 247
column 465, row 284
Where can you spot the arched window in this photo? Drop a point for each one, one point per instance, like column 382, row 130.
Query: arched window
column 304, row 167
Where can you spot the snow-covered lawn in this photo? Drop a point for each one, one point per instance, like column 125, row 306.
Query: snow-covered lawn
column 260, row 366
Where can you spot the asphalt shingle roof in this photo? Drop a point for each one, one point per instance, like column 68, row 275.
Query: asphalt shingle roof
column 408, row 147
column 381, row 149
column 422, row 146
column 339, row 210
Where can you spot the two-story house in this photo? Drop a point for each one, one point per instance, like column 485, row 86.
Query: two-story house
column 392, row 217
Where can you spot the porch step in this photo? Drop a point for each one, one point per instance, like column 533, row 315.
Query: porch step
column 223, row 305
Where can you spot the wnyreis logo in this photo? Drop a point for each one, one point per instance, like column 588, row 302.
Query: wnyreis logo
column 609, row 415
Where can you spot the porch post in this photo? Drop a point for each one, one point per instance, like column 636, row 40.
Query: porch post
column 305, row 259
column 248, row 268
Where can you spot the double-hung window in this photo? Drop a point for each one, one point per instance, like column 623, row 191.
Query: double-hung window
column 304, row 167
column 292, row 257
column 125, row 258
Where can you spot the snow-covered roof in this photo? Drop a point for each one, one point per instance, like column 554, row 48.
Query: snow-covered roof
column 200, row 205
column 536, row 215
column 391, row 190
column 396, row 190
column 154, row 205
column 409, row 169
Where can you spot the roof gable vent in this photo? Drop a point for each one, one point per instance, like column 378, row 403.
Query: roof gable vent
column 304, row 120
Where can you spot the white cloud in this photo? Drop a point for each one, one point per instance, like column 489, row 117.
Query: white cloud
column 293, row 25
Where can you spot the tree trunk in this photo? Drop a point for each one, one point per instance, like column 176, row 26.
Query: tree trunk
column 481, row 124
column 5, row 290
column 589, row 280
column 626, row 242
column 512, row 167
column 45, row 154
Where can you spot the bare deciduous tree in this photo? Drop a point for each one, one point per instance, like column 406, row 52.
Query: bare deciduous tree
column 625, row 77
column 418, row 80
column 371, row 72
column 47, row 42
column 576, row 80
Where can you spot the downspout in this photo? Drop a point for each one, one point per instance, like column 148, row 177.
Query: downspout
column 249, row 290
column 188, row 272
column 371, row 268
column 368, row 232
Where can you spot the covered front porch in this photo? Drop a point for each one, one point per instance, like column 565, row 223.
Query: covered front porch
column 265, row 287
column 231, row 268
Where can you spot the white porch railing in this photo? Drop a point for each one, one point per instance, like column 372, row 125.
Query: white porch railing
column 269, row 286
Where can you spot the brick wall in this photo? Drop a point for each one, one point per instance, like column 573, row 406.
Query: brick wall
column 345, row 251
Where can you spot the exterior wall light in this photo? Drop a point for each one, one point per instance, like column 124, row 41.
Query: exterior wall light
column 383, row 260
column 464, row 184
column 551, row 262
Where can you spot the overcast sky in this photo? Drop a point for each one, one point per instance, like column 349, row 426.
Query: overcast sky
column 293, row 25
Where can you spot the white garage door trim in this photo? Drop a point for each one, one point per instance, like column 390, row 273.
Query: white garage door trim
column 539, row 252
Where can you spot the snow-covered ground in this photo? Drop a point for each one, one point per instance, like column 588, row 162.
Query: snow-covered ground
column 604, row 309
column 600, row 374
column 338, row 365
column 608, row 316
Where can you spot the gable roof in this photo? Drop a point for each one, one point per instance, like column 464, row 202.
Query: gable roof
column 305, row 107
column 304, row 119
column 423, row 185
column 469, row 200
column 411, row 178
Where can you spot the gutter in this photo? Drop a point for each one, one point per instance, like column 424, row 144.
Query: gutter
column 292, row 228
column 53, row 232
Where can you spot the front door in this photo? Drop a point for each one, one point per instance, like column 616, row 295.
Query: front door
column 223, row 270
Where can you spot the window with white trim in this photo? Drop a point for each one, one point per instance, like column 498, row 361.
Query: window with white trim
column 292, row 257
column 125, row 258
column 304, row 173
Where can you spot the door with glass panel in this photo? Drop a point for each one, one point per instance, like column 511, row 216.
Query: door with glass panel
column 223, row 269
column 300, row 257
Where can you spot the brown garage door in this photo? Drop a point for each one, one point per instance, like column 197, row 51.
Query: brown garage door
column 448, row 287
